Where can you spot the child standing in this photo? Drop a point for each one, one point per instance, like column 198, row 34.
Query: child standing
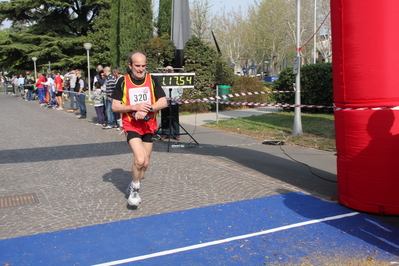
column 98, row 98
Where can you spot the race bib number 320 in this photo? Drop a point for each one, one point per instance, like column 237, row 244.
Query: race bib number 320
column 139, row 95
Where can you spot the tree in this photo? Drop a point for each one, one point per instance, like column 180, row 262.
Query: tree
column 132, row 26
column 67, row 17
column 324, row 46
column 199, row 58
column 201, row 19
column 115, row 33
column 209, row 69
column 160, row 52
column 52, row 31
column 267, row 32
column 164, row 18
column 270, row 33
column 231, row 34
column 100, row 38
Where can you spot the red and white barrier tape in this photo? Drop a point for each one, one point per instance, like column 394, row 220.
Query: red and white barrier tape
column 243, row 94
column 232, row 95
column 181, row 101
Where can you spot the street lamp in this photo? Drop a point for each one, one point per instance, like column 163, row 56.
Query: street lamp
column 297, row 128
column 314, row 37
column 34, row 59
column 88, row 46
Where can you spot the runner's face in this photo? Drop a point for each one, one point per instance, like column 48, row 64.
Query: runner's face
column 138, row 66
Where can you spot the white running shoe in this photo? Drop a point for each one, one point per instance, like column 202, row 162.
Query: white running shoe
column 134, row 198
column 129, row 188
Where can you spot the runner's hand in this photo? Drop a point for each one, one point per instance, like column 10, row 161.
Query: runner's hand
column 143, row 107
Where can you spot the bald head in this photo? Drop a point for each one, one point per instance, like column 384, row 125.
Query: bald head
column 107, row 70
column 137, row 64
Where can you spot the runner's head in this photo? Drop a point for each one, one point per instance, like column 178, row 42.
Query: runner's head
column 137, row 64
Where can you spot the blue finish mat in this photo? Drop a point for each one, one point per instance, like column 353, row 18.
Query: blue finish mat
column 285, row 229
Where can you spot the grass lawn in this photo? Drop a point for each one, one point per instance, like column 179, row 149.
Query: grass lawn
column 318, row 129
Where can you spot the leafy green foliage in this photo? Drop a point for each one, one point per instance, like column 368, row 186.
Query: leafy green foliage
column 316, row 87
column 100, row 38
column 56, row 33
column 199, row 58
column 249, row 84
column 164, row 18
column 115, row 34
column 224, row 74
column 18, row 51
column 209, row 71
column 160, row 52
column 64, row 18
column 132, row 29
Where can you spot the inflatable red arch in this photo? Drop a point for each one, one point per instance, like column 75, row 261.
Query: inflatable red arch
column 366, row 91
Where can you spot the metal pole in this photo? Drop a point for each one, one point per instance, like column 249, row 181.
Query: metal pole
column 297, row 128
column 34, row 65
column 314, row 37
column 88, row 71
column 217, row 104
column 34, row 59
column 88, row 46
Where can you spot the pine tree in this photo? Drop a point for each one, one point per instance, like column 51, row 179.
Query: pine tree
column 114, row 33
column 132, row 26
column 52, row 31
column 164, row 18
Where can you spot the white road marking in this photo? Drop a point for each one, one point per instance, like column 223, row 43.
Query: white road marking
column 217, row 242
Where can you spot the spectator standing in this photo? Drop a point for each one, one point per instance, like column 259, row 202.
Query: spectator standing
column 21, row 83
column 72, row 95
column 30, row 82
column 58, row 90
column 110, row 83
column 41, row 80
column 171, row 113
column 50, row 83
column 117, row 72
column 3, row 83
column 98, row 77
column 14, row 82
column 80, row 95
column 98, row 98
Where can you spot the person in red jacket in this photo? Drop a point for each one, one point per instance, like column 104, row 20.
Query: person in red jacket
column 58, row 90
column 40, row 88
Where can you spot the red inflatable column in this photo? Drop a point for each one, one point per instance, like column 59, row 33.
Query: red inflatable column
column 366, row 91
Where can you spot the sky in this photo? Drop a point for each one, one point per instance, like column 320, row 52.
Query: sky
column 218, row 5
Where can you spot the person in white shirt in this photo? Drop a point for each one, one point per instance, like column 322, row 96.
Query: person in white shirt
column 50, row 83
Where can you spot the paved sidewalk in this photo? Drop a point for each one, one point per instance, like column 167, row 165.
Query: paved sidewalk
column 78, row 172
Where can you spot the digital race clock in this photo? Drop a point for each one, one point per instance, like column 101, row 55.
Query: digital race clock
column 175, row 80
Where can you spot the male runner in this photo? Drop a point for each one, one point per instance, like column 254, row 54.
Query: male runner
column 138, row 96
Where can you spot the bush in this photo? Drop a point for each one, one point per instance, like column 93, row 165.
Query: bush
column 248, row 84
column 316, row 87
column 194, row 107
column 209, row 69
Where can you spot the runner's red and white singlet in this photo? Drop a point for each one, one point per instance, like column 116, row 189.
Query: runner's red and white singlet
column 135, row 94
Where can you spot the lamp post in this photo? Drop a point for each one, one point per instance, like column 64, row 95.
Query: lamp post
column 88, row 46
column 34, row 59
column 314, row 37
column 297, row 128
